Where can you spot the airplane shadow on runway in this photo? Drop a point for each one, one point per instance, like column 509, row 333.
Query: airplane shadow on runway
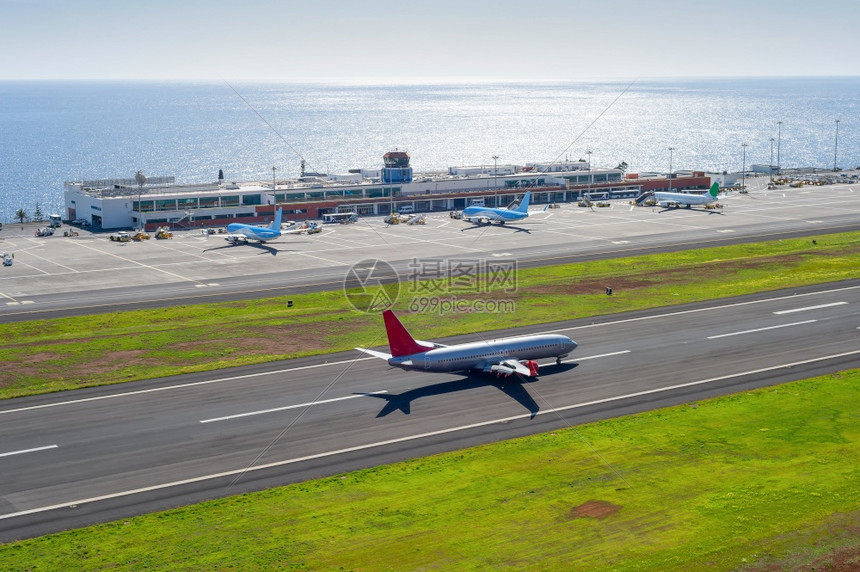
column 503, row 226
column 512, row 386
column 263, row 248
column 709, row 211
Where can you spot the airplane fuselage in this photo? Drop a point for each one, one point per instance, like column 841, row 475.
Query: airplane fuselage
column 253, row 232
column 477, row 355
column 490, row 214
column 502, row 216
column 669, row 199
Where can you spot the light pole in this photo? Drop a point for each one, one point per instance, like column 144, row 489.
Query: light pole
column 835, row 145
column 770, row 165
column 778, row 142
column 670, row 168
column 141, row 180
column 273, row 179
column 744, row 168
column 495, row 180
column 590, row 175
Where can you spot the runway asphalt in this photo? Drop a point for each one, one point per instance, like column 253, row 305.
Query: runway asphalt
column 64, row 276
column 74, row 458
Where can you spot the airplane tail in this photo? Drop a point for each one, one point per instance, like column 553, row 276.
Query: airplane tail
column 276, row 224
column 400, row 341
column 715, row 190
column 524, row 204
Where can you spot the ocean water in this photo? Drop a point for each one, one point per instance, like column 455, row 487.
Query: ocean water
column 51, row 132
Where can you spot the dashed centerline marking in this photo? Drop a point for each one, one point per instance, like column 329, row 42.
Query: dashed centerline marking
column 303, row 405
column 761, row 329
column 601, row 356
column 286, row 407
column 810, row 308
column 184, row 385
column 33, row 450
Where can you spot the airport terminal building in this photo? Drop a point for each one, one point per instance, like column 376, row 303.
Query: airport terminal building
column 159, row 201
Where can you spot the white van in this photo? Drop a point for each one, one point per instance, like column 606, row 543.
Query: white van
column 406, row 209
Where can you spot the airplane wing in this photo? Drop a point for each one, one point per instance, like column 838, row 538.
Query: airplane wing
column 507, row 367
column 294, row 230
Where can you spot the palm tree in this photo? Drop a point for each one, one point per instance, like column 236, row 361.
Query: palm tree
column 21, row 215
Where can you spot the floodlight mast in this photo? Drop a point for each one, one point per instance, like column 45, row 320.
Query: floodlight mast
column 141, row 180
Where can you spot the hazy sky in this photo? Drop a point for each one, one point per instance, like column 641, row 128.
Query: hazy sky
column 390, row 40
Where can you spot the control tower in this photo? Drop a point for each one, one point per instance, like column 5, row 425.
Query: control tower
column 396, row 169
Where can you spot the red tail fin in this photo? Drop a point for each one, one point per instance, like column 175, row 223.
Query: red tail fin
column 400, row 342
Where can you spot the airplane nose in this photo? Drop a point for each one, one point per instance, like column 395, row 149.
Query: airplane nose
column 570, row 346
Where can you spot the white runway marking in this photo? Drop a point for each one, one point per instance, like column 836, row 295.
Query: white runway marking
column 286, row 407
column 579, row 359
column 810, row 308
column 140, row 264
column 184, row 385
column 602, row 355
column 334, row 262
column 524, row 416
column 33, row 254
column 761, row 329
column 698, row 310
column 21, row 452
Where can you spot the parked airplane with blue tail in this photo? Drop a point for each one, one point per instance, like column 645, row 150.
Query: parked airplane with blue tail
column 487, row 215
column 241, row 232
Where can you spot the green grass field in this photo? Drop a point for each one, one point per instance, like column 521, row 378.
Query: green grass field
column 762, row 480
column 53, row 355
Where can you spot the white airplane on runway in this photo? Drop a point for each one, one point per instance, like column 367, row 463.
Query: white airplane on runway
column 666, row 199
column 488, row 215
column 504, row 357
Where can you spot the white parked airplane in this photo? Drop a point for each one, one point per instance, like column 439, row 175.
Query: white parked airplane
column 253, row 232
column 488, row 215
column 666, row 199
column 504, row 357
